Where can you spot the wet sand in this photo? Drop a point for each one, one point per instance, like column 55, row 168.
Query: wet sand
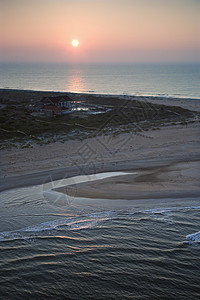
column 173, row 180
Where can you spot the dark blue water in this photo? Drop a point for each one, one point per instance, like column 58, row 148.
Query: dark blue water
column 177, row 80
column 64, row 248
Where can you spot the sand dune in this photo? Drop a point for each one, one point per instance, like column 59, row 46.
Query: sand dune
column 171, row 152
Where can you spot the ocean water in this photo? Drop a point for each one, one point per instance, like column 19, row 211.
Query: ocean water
column 176, row 80
column 53, row 246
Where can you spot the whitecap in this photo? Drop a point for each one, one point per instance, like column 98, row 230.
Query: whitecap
column 72, row 223
column 193, row 239
column 170, row 209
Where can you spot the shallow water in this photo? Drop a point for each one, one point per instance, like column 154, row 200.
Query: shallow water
column 66, row 248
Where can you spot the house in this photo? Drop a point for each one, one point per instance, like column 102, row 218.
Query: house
column 52, row 109
column 62, row 102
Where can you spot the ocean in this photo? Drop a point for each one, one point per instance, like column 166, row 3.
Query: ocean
column 54, row 246
column 165, row 80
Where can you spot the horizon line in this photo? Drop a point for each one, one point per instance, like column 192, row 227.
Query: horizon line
column 102, row 62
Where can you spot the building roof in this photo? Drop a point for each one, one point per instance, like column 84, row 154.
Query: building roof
column 56, row 99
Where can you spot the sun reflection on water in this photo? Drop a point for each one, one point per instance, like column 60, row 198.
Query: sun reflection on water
column 76, row 82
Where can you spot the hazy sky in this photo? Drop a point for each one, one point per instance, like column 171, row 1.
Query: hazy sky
column 108, row 30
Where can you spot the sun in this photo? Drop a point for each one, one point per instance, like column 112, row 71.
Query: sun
column 75, row 43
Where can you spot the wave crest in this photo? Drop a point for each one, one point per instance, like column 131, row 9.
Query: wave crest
column 78, row 223
column 193, row 239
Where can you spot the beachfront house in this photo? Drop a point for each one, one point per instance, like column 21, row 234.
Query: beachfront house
column 55, row 104
column 52, row 109
column 61, row 102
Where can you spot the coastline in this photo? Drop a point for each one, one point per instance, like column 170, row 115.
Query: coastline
column 187, row 103
column 127, row 151
column 164, row 181
column 42, row 164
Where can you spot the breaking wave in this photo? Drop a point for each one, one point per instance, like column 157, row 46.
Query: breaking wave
column 193, row 239
column 74, row 223
column 96, row 219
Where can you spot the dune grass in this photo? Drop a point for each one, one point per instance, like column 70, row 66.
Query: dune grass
column 19, row 123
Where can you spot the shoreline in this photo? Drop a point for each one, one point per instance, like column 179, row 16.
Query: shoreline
column 157, row 182
column 24, row 121
column 42, row 164
column 156, row 147
column 156, row 99
column 98, row 94
column 43, row 177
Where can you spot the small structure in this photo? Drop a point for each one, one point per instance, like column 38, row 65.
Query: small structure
column 54, row 110
column 56, row 103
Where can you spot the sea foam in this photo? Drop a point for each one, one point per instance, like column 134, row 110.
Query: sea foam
column 75, row 223
column 193, row 239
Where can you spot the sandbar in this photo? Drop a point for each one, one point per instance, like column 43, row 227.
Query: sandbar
column 173, row 180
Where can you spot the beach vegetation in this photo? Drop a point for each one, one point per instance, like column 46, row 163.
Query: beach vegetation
column 116, row 115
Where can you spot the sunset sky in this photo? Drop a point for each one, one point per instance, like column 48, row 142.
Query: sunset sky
column 107, row 30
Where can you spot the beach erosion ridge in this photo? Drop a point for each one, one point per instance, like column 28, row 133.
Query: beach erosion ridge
column 155, row 139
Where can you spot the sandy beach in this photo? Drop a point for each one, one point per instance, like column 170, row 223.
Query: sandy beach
column 175, row 180
column 165, row 156
column 166, row 160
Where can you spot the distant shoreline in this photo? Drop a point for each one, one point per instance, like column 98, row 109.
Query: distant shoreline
column 187, row 103
column 135, row 97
